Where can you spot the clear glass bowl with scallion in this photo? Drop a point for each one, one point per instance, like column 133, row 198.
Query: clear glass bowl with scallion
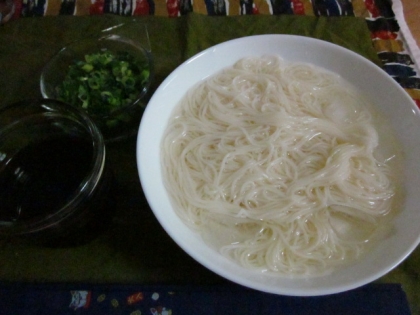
column 109, row 77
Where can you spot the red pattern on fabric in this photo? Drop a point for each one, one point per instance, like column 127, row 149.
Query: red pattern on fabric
column 298, row 7
column 142, row 7
column 384, row 35
column 97, row 7
column 372, row 8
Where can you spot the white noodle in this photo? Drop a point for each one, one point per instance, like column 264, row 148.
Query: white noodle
column 274, row 164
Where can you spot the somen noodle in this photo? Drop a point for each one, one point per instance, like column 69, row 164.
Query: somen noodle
column 276, row 164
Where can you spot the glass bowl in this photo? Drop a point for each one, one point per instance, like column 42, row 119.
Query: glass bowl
column 108, row 76
column 54, row 175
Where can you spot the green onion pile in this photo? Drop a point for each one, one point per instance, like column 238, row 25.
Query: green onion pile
column 104, row 82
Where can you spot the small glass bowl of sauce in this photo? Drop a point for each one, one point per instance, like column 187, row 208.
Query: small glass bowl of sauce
column 54, row 175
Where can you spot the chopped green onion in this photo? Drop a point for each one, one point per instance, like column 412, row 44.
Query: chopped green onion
column 104, row 82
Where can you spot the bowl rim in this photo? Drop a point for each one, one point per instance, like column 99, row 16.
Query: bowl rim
column 149, row 174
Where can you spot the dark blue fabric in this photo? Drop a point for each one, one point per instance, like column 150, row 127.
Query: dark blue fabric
column 63, row 299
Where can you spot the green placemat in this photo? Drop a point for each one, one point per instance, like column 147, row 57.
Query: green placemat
column 135, row 249
column 27, row 44
column 349, row 32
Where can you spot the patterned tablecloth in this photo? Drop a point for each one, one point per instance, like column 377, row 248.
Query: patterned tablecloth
column 389, row 40
column 380, row 299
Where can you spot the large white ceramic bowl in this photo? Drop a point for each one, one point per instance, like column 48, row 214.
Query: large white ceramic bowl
column 381, row 89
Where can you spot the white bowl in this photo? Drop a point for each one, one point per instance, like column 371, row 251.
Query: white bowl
column 379, row 87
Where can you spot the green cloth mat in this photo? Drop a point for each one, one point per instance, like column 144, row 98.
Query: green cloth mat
column 27, row 44
column 136, row 249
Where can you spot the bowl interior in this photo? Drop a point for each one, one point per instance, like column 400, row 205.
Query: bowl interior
column 122, row 121
column 385, row 94
column 57, row 68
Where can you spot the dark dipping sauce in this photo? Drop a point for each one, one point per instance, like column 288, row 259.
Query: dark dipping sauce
column 42, row 178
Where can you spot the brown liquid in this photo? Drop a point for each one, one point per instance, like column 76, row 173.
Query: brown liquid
column 42, row 178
